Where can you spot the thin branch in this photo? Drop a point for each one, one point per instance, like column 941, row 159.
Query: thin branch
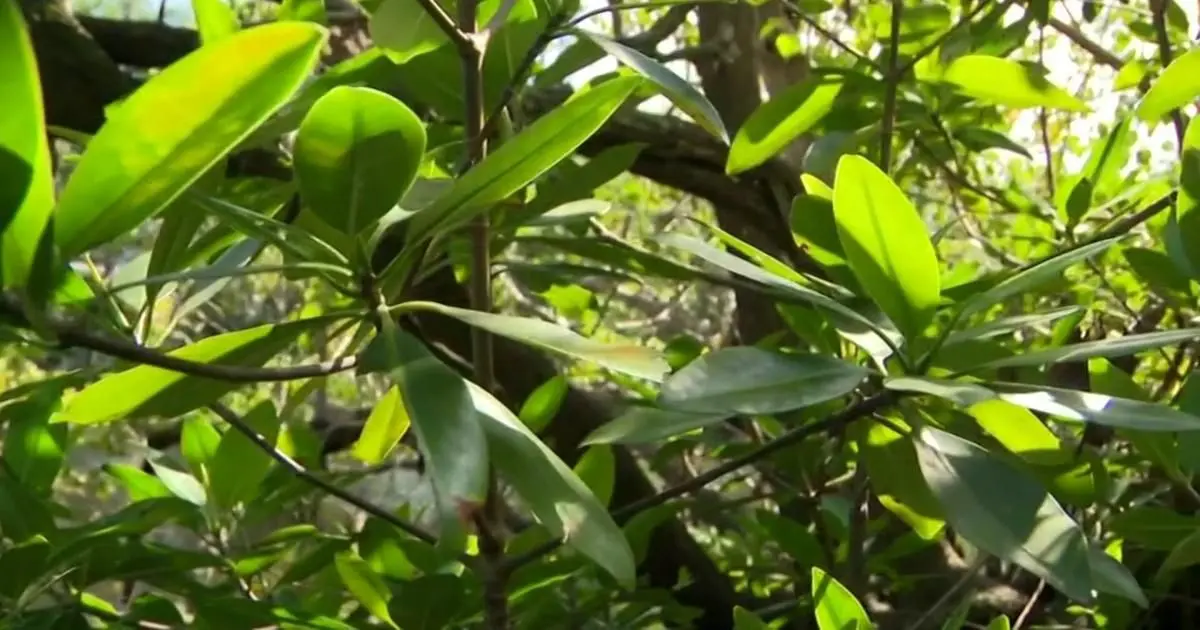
column 1098, row 52
column 651, row 4
column 235, row 421
column 1159, row 10
column 892, row 87
column 801, row 15
column 832, row 423
column 446, row 23
column 73, row 335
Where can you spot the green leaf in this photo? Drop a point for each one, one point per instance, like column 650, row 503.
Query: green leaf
column 365, row 585
column 1026, row 279
column 146, row 390
column 1008, row 83
column 1111, row 576
column 895, row 476
column 26, row 175
column 21, row 567
column 239, row 467
column 34, row 449
column 302, row 11
column 442, row 413
column 198, row 444
column 1178, row 85
column 752, row 381
column 597, row 470
column 525, row 157
column 999, row 623
column 1020, row 432
column 1156, row 269
column 628, row 359
column 779, row 121
column 887, row 244
column 404, row 30
column 179, row 123
column 357, row 152
column 1180, row 234
column 386, row 425
column 836, row 607
column 1101, row 172
column 682, row 93
column 1111, row 347
column 641, row 425
column 558, row 499
column 544, row 402
column 1155, row 528
column 180, row 484
column 215, row 20
column 1183, row 555
column 745, row 620
column 981, row 139
column 140, row 485
column 1008, row 325
column 1028, row 527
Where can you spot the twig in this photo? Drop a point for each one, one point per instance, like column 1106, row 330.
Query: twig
column 803, row 16
column 235, row 421
column 892, row 87
column 1097, row 51
column 1029, row 606
column 446, row 23
column 651, row 4
column 72, row 335
column 1044, row 124
column 1158, row 9
column 834, row 422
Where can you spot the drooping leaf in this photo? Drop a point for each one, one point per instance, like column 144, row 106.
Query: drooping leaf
column 179, row 123
column 385, row 427
column 26, row 175
column 558, row 499
column 239, row 466
column 1111, row 576
column 179, row 483
column 779, row 121
column 682, row 93
column 634, row 360
column 887, row 244
column 1178, row 85
column 1112, row 347
column 365, row 585
column 1028, row 527
column 752, row 381
column 524, row 157
column 642, row 425
column 895, row 477
column 1009, row 83
column 442, row 414
column 147, row 390
column 836, row 607
column 1034, row 275
column 357, row 152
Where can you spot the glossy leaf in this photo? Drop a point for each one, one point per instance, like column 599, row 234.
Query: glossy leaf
column 779, row 121
column 643, row 425
column 443, row 418
column 383, row 430
column 146, row 390
column 1021, row 432
column 1008, row 325
column 365, row 585
column 26, row 175
column 1009, row 83
column 836, row 607
column 683, row 94
column 1112, row 347
column 239, row 466
column 174, row 127
column 1177, row 86
column 752, row 381
column 357, row 152
column 887, row 244
column 523, row 158
column 1026, row 279
column 1183, row 555
column 629, row 359
column 1028, row 528
column 180, row 484
column 558, row 499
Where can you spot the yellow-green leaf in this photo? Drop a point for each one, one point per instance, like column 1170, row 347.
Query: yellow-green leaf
column 1178, row 85
column 780, row 120
column 886, row 244
column 26, row 178
column 1009, row 83
column 836, row 607
column 386, row 425
column 178, row 124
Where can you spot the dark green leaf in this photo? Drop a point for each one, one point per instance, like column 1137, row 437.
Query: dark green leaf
column 21, row 567
column 365, row 585
column 1028, row 527
column 745, row 620
column 641, row 425
column 887, row 244
column 179, row 123
column 33, row 448
column 1009, row 325
column 752, row 381
column 1112, row 347
column 357, row 151
column 239, row 466
column 1156, row 269
column 1030, row 277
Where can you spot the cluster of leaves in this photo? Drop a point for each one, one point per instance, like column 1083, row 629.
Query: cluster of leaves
column 944, row 397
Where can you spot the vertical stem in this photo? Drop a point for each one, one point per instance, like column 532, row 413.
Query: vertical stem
column 493, row 572
column 893, row 85
column 1158, row 9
